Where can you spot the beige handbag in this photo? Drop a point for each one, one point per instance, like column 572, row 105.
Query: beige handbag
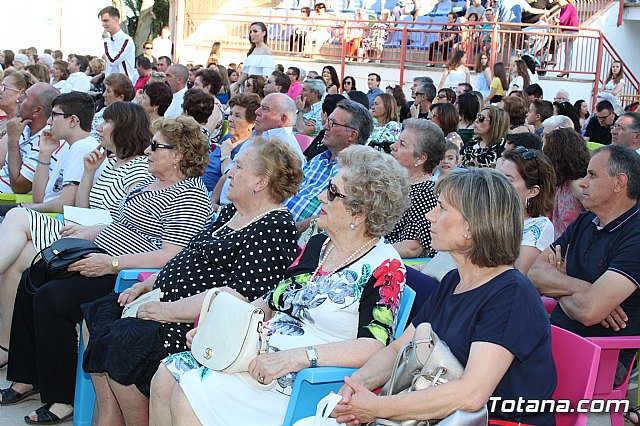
column 230, row 335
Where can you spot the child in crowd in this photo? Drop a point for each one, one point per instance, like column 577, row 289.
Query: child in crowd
column 451, row 161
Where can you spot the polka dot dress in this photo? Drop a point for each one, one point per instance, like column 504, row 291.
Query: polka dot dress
column 251, row 260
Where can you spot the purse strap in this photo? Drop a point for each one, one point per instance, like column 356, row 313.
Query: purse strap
column 205, row 304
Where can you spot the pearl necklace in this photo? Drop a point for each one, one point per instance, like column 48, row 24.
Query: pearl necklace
column 258, row 217
column 341, row 265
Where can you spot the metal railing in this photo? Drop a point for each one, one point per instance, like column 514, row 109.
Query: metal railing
column 413, row 44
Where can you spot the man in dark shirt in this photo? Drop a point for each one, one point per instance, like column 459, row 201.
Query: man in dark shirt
column 593, row 269
column 424, row 95
column 599, row 127
column 405, row 111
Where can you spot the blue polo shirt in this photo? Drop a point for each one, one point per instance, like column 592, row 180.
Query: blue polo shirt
column 595, row 250
column 511, row 10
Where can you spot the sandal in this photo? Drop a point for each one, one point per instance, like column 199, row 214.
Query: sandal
column 633, row 412
column 4, row 364
column 45, row 417
column 10, row 396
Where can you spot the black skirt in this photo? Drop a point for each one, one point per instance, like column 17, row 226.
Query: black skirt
column 129, row 350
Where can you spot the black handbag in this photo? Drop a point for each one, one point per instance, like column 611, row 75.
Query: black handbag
column 52, row 262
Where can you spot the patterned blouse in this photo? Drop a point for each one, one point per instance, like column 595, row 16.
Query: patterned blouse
column 473, row 155
column 383, row 137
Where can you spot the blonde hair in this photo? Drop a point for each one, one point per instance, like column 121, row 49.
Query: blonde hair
column 185, row 133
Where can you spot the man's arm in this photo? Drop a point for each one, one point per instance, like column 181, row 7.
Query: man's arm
column 549, row 276
column 117, row 54
column 592, row 306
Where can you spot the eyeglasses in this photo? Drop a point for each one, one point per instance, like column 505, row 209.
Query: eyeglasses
column 4, row 87
column 603, row 117
column 441, row 96
column 332, row 192
column 480, row 118
column 148, row 47
column 155, row 145
column 527, row 154
column 619, row 128
column 420, row 93
column 331, row 123
column 54, row 114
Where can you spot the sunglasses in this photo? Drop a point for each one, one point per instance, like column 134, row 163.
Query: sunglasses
column 155, row 145
column 441, row 96
column 481, row 118
column 148, row 48
column 528, row 154
column 332, row 192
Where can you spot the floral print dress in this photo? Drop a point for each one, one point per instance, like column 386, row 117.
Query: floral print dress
column 359, row 301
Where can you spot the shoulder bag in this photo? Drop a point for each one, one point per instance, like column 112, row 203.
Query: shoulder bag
column 424, row 362
column 230, row 335
column 52, row 262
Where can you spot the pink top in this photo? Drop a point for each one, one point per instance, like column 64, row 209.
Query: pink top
column 294, row 90
column 569, row 16
column 566, row 210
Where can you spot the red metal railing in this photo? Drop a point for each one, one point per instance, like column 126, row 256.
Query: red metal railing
column 411, row 44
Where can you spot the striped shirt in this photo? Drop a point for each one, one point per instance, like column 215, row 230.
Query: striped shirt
column 147, row 219
column 114, row 183
column 29, row 151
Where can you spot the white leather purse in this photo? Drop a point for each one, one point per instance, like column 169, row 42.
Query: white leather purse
column 229, row 335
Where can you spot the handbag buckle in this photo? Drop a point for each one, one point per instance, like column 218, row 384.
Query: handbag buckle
column 56, row 252
column 208, row 353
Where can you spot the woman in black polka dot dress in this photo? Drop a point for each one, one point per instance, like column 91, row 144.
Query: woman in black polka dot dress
column 246, row 249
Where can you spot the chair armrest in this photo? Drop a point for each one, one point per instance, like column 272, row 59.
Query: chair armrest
column 618, row 342
column 415, row 260
column 324, row 374
column 128, row 277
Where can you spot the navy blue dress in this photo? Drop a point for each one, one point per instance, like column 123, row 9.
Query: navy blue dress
column 506, row 311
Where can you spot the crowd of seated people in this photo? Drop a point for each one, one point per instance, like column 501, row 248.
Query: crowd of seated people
column 314, row 233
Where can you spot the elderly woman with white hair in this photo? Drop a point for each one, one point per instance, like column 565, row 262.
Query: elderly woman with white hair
column 337, row 305
column 419, row 149
column 555, row 122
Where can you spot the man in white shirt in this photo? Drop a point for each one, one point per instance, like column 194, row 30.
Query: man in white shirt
column 119, row 50
column 77, row 79
column 71, row 117
column 162, row 45
column 177, row 77
column 23, row 139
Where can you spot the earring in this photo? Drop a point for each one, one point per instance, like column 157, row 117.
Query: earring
column 352, row 226
column 415, row 165
column 466, row 236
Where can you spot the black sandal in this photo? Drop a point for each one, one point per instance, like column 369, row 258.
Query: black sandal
column 634, row 411
column 44, row 416
column 10, row 396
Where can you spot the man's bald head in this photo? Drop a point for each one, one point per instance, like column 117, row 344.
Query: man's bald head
column 283, row 104
column 36, row 105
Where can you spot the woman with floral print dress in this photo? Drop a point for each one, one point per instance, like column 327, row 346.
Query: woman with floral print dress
column 338, row 304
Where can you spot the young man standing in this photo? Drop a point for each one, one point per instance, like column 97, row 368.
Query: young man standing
column 118, row 46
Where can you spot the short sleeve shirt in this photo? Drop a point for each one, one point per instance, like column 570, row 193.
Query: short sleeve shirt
column 511, row 10
column 506, row 311
column 537, row 232
column 596, row 133
column 69, row 168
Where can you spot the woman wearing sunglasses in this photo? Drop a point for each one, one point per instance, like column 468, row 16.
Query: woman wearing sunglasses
column 151, row 224
column 532, row 174
column 336, row 306
column 490, row 127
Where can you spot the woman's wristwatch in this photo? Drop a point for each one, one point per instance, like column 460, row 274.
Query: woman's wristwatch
column 312, row 356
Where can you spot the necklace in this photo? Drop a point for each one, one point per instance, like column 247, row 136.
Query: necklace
column 341, row 265
column 417, row 179
column 255, row 219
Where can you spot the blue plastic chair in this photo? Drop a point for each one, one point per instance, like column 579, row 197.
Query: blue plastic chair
column 313, row 384
column 85, row 395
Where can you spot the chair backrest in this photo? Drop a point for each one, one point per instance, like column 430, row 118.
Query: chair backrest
column 576, row 360
column 408, row 296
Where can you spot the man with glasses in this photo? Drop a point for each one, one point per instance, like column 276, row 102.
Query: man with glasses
column 626, row 131
column 425, row 94
column 278, row 82
column 599, row 127
column 119, row 49
column 405, row 109
column 295, row 87
column 350, row 123
column 592, row 269
column 61, row 151
column 23, row 139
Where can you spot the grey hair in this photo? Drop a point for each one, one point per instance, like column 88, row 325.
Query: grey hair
column 564, row 92
column 46, row 59
column 360, row 119
column 376, row 185
column 422, row 80
column 284, row 105
column 180, row 71
column 626, row 161
column 635, row 121
column 429, row 89
column 317, row 85
column 303, row 74
column 428, row 139
column 556, row 121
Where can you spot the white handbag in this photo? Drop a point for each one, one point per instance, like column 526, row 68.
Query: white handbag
column 229, row 335
column 323, row 410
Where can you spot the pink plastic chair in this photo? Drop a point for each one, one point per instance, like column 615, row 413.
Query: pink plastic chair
column 609, row 351
column 304, row 141
column 549, row 303
column 576, row 360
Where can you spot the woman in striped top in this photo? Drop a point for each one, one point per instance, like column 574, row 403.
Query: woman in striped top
column 126, row 133
column 153, row 223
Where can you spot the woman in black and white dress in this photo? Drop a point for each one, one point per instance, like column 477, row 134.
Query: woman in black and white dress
column 420, row 148
column 126, row 133
column 154, row 222
column 246, row 249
